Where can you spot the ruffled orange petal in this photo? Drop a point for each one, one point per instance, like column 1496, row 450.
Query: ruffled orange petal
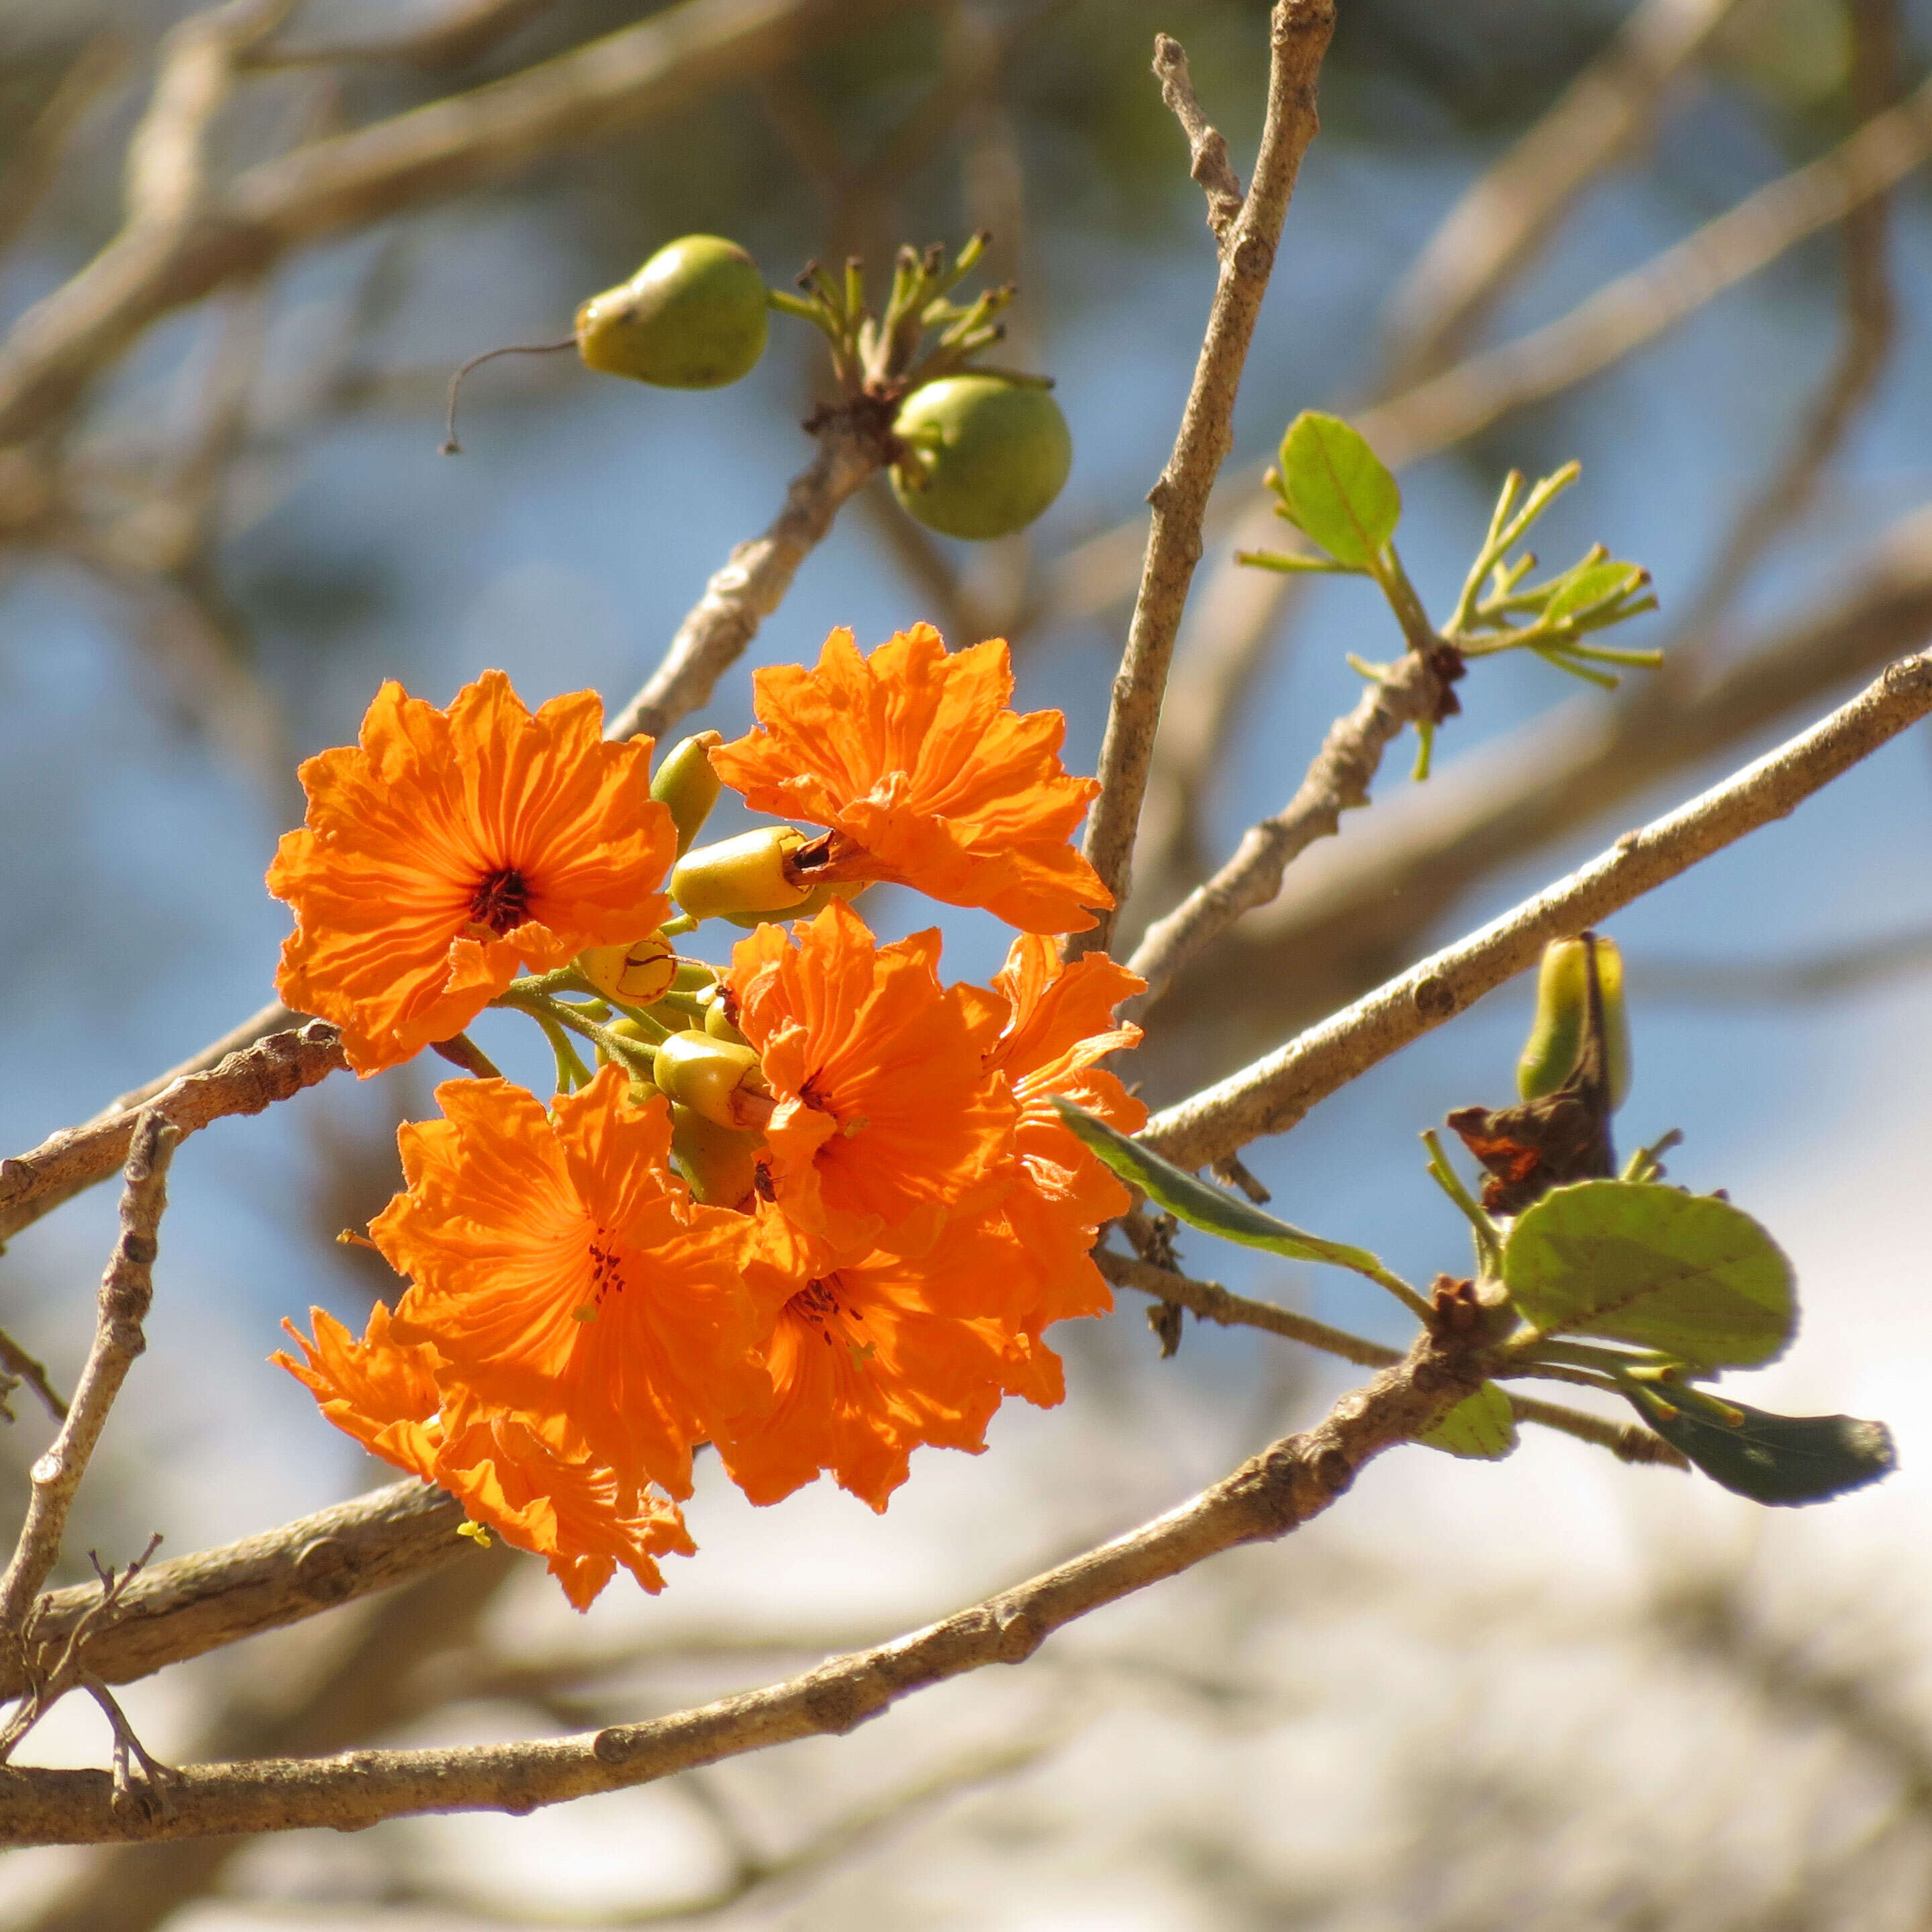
column 582, row 1518
column 916, row 757
column 579, row 1516
column 563, row 1272
column 377, row 1390
column 885, row 1112
column 448, row 850
column 870, row 1362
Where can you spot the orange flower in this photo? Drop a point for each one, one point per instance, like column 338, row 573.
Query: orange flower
column 448, row 848
column 580, row 1517
column 869, row 1361
column 1061, row 1024
column 563, row 1274
column 924, row 775
column 885, row 1115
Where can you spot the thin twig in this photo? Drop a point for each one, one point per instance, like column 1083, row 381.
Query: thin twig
column 49, row 1659
column 1276, row 1491
column 1208, row 164
column 1210, row 1302
column 464, row 34
column 273, row 1069
column 167, row 182
column 1618, row 320
column 1338, row 927
column 1271, row 1095
column 362, row 1676
column 380, row 172
column 16, row 1361
column 1301, row 30
column 192, row 1604
column 755, row 578
column 1338, row 781
column 1501, row 223
column 1870, row 325
column 34, row 160
column 126, row 1288
column 1639, row 306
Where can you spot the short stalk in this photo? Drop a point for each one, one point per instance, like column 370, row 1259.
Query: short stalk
column 1488, row 1236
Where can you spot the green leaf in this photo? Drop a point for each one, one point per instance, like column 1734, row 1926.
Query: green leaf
column 1592, row 583
column 1633, row 1261
column 1781, row 1460
column 1202, row 1205
column 1482, row 1425
column 1336, row 490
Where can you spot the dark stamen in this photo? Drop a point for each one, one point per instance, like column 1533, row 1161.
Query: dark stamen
column 501, row 901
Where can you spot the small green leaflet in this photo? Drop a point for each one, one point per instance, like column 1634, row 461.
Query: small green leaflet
column 1781, row 1459
column 1591, row 584
column 1634, row 1262
column 1202, row 1206
column 1482, row 1425
column 1335, row 491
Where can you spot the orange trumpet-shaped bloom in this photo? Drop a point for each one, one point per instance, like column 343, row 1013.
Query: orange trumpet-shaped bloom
column 578, row 1515
column 885, row 1113
column 871, row 1360
column 562, row 1273
column 914, row 759
column 447, row 849
column 1061, row 1024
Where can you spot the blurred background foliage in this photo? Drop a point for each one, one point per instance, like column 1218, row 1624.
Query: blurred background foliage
column 1547, row 1694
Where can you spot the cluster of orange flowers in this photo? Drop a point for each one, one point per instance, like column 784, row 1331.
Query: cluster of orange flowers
column 584, row 1307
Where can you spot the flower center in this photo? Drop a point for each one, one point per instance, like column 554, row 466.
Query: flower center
column 606, row 1274
column 502, row 900
column 816, row 1304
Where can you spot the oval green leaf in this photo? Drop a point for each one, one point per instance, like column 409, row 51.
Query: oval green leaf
column 1335, row 491
column 1634, row 1262
column 1482, row 1426
column 1783, row 1460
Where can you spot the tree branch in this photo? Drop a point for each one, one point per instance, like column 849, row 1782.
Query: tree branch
column 1276, row 1491
column 127, row 1289
column 1338, row 781
column 462, row 142
column 34, row 1183
column 756, row 576
column 1274, row 1093
column 1502, row 221
column 1208, row 165
column 1300, row 31
column 1209, row 1301
column 1339, row 927
column 191, row 1604
column 1636, row 307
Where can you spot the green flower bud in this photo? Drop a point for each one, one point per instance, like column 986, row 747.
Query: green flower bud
column 686, row 784
column 987, row 456
column 721, row 1163
column 638, row 974
column 744, row 875
column 813, row 903
column 718, row 1024
column 1562, row 1011
column 716, row 1078
column 693, row 317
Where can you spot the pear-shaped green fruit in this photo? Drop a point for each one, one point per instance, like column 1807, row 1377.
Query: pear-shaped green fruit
column 989, row 455
column 693, row 317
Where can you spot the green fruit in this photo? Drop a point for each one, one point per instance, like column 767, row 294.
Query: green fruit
column 1562, row 1011
column 990, row 455
column 693, row 317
